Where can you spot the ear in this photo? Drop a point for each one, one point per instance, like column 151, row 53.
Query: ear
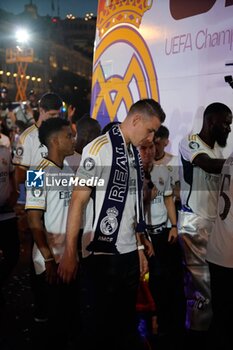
column 54, row 140
column 135, row 119
column 42, row 113
column 166, row 142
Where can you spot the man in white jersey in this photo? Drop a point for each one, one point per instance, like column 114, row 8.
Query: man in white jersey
column 171, row 161
column 29, row 152
column 113, row 255
column 220, row 259
column 201, row 163
column 165, row 266
column 48, row 196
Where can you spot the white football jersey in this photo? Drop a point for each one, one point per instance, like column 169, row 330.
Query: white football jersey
column 172, row 163
column 157, row 211
column 96, row 163
column 53, row 198
column 199, row 189
column 29, row 150
column 220, row 244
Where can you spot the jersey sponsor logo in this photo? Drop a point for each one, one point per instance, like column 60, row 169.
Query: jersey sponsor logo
column 109, row 223
column 19, row 151
column 35, row 178
column 194, row 145
column 89, row 164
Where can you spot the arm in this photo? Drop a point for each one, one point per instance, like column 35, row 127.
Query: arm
column 171, row 211
column 36, row 226
column 176, row 191
column 142, row 258
column 210, row 165
column 20, row 175
column 68, row 265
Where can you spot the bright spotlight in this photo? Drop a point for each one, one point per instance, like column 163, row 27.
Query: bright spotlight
column 22, row 36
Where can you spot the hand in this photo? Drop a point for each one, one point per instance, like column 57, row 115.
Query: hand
column 70, row 112
column 173, row 235
column 68, row 267
column 148, row 247
column 51, row 272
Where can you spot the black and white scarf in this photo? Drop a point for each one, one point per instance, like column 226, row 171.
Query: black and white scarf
column 113, row 205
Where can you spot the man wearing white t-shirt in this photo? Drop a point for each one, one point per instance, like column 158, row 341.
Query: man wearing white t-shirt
column 162, row 157
column 220, row 259
column 201, row 163
column 165, row 266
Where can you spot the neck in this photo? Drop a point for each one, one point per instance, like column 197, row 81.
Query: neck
column 160, row 156
column 148, row 167
column 56, row 158
column 125, row 135
column 207, row 138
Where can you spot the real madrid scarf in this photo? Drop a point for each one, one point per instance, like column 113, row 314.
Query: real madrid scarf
column 113, row 206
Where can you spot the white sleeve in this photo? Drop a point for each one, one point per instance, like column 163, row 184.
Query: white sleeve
column 23, row 153
column 90, row 165
column 190, row 149
column 35, row 198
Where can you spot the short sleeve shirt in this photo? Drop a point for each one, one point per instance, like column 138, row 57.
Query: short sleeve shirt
column 199, row 189
column 96, row 164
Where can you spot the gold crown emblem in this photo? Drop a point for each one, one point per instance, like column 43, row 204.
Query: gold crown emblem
column 113, row 12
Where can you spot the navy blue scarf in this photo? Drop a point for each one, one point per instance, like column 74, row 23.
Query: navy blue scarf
column 113, row 206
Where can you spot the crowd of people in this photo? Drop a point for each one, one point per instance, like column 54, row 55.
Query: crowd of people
column 106, row 207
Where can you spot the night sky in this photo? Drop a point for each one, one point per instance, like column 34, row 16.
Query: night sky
column 77, row 7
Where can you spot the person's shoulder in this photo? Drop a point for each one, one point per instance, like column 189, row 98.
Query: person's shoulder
column 97, row 145
column 188, row 138
column 191, row 141
column 44, row 164
column 5, row 140
column 29, row 132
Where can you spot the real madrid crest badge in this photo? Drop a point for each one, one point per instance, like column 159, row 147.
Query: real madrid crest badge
column 109, row 223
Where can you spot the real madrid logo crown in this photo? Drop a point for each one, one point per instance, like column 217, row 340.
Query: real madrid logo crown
column 112, row 212
column 113, row 12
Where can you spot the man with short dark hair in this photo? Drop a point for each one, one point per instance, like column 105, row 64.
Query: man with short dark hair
column 113, row 256
column 47, row 208
column 29, row 150
column 201, row 164
column 162, row 157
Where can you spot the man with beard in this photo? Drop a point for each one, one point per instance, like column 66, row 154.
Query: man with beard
column 201, row 163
